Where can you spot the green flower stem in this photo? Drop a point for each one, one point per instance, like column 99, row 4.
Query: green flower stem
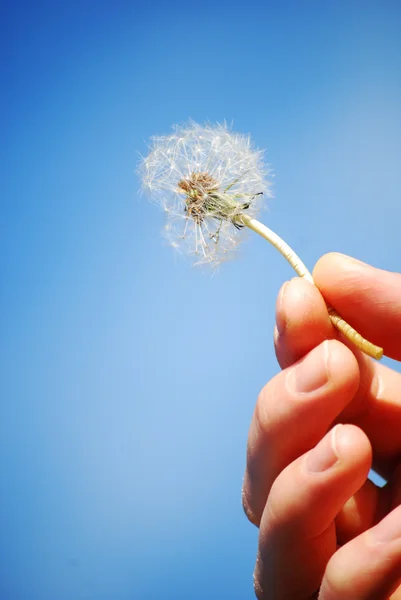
column 301, row 270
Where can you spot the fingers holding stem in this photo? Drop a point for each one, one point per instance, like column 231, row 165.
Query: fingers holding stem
column 299, row 267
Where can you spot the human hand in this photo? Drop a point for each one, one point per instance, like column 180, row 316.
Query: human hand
column 316, row 429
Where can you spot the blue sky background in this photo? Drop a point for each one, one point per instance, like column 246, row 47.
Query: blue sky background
column 129, row 378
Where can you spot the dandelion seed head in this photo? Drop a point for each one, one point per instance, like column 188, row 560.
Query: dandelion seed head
column 204, row 177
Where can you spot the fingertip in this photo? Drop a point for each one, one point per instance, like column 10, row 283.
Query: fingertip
column 302, row 321
column 341, row 278
column 353, row 445
column 342, row 365
column 281, row 318
column 295, row 300
column 329, row 266
column 365, row 296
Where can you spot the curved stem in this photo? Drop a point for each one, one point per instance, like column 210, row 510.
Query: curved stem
column 301, row 270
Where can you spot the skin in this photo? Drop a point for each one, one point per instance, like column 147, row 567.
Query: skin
column 325, row 530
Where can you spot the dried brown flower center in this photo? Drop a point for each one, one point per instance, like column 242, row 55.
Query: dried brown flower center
column 197, row 187
column 198, row 184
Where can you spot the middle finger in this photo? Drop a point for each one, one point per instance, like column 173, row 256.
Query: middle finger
column 293, row 412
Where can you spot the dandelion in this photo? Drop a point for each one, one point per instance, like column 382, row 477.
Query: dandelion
column 204, row 178
column 211, row 183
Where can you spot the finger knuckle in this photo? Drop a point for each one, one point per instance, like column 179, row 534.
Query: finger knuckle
column 247, row 508
column 257, row 588
column 264, row 409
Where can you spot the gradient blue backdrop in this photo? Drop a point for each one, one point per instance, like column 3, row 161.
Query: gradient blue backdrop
column 128, row 378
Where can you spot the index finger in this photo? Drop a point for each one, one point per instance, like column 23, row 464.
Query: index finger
column 302, row 323
column 366, row 297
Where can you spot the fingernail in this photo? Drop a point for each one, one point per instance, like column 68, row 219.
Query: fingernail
column 388, row 529
column 280, row 312
column 324, row 455
column 312, row 372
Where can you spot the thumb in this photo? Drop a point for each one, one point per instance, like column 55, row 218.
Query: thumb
column 366, row 297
